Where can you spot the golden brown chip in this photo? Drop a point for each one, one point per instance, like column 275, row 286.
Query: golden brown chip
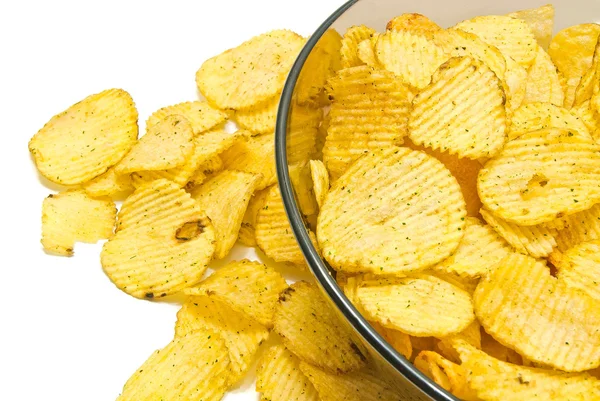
column 108, row 184
column 320, row 178
column 312, row 330
column 448, row 375
column 302, row 182
column 461, row 111
column 538, row 115
column 349, row 50
column 579, row 227
column 246, row 235
column 541, row 22
column 250, row 73
column 543, row 84
column 260, row 118
column 85, row 140
column 255, row 155
column 579, row 267
column 413, row 22
column 73, row 216
column 201, row 115
column 398, row 340
column 522, row 306
column 193, row 367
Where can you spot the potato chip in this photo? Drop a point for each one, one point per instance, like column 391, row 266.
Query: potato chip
column 579, row 227
column 366, row 51
column 312, row 330
column 167, row 144
column 541, row 22
column 193, row 367
column 543, row 84
column 467, row 284
column 589, row 85
column 278, row 377
column 423, row 344
column 537, row 241
column 255, row 155
column 320, row 178
column 250, row 73
column 513, row 37
column 448, row 375
column 301, row 178
column 85, row 140
column 589, row 118
column 522, row 306
column 579, row 267
column 496, row 350
column 260, row 118
column 398, row 340
column 301, row 139
column 201, row 115
column 413, row 22
column 369, row 111
column 349, row 50
column 248, row 287
column 241, row 335
column 407, row 213
column 472, row 335
column 73, row 216
column 495, row 380
column 400, row 51
column 246, row 236
column 224, row 198
column 541, row 175
column 536, row 116
column 515, row 78
column 321, row 136
column 108, row 184
column 467, row 119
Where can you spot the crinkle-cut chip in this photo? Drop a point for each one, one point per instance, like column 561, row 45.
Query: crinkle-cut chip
column 496, row 350
column 321, row 136
column 250, row 73
column 212, row 165
column 200, row 114
column 515, row 78
column 542, row 81
column 467, row 284
column 248, row 287
column 247, row 236
column 589, row 118
column 513, row 37
column 242, row 335
column 312, row 330
column 537, row 241
column 400, row 51
column 423, row 344
column 447, row 374
column 495, row 380
column 302, row 182
column 167, row 144
column 331, row 42
column 541, row 175
column 108, row 184
column 472, row 335
column 541, row 22
column 349, row 50
column 369, row 111
column 478, row 251
column 366, row 51
column 320, row 178
column 255, row 155
column 278, row 377
column 579, row 267
column 538, row 115
column 406, row 213
column 73, row 216
column 147, row 264
column 461, row 111
column 522, row 306
column 413, row 22
column 398, row 340
column 86, row 139
column 589, row 85
column 303, row 124
column 224, row 198
column 194, row 367
column 579, row 227
column 421, row 305
column 260, row 118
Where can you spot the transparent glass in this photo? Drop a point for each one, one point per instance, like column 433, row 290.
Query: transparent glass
column 413, row 385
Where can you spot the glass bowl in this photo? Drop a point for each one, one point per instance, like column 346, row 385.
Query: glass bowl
column 376, row 13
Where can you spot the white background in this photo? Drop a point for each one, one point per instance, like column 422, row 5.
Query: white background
column 66, row 332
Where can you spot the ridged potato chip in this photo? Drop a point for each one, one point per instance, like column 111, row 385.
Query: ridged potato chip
column 278, row 377
column 589, row 118
column 321, row 136
column 541, row 175
column 515, row 78
column 579, row 267
column 349, row 50
column 522, row 306
column 224, row 198
column 407, row 213
column 73, row 216
column 472, row 335
column 589, row 84
column 537, row 241
column 260, row 118
column 461, row 111
column 320, row 178
column 200, row 114
column 543, row 84
column 255, row 155
column 241, row 335
column 401, row 51
column 366, row 52
column 167, row 144
column 87, row 139
column 369, row 111
column 467, row 284
column 422, row 344
column 211, row 166
column 250, row 73
column 312, row 330
column 302, row 182
column 398, row 340
column 247, row 235
column 248, row 287
column 538, row 115
column 579, row 227
column 541, row 22
column 108, row 184
column 448, row 375
column 496, row 350
column 413, row 22
column 301, row 140
column 193, row 367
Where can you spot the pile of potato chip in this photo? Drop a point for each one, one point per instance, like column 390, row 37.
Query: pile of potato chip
column 450, row 177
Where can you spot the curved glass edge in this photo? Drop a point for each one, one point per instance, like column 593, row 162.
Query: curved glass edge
column 315, row 263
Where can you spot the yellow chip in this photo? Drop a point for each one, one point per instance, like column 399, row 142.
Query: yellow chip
column 540, row 176
column 467, row 284
column 541, row 22
column 309, row 326
column 400, row 51
column 260, row 118
column 536, row 116
column 461, row 111
column 85, row 140
column 301, row 178
column 193, row 367
column 250, row 73
column 241, row 335
column 543, row 84
column 302, row 134
column 589, row 118
column 248, row 287
column 513, row 37
column 398, row 340
column 494, row 380
column 211, row 166
column 167, row 144
column 349, row 50
column 320, row 178
column 496, row 350
column 522, row 306
column 479, row 250
column 73, row 216
column 224, row 198
column 369, row 111
column 579, row 227
column 537, row 241
column 472, row 335
column 246, row 235
column 579, row 267
column 516, row 85
column 393, row 211
column 255, row 155
column 423, row 344
column 366, row 51
column 321, row 136
column 278, row 377
column 589, row 85
column 201, row 115
column 108, row 184
column 448, row 375
column 413, row 22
